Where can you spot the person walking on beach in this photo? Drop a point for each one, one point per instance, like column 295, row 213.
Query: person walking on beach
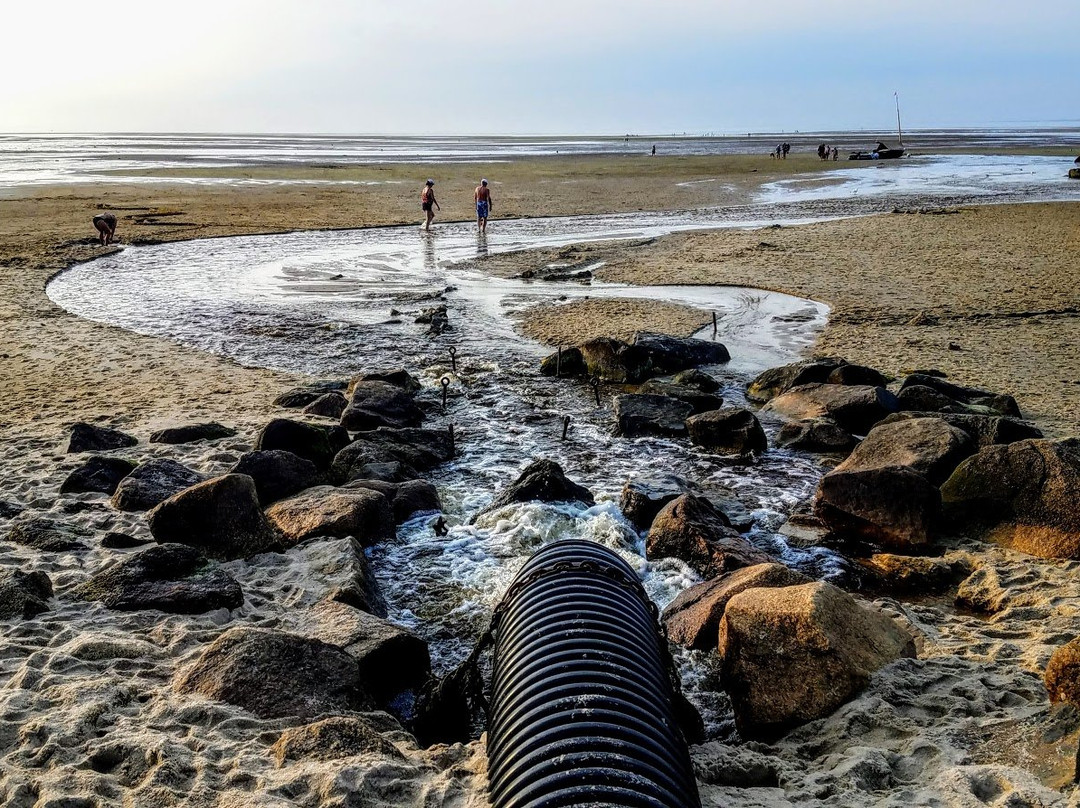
column 787, row 148
column 428, row 203
column 105, row 223
column 484, row 205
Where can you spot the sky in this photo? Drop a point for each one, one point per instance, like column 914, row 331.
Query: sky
column 536, row 67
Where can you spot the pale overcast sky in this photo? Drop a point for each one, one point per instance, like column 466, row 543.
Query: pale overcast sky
column 545, row 66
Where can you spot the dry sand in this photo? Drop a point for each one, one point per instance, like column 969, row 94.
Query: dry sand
column 87, row 716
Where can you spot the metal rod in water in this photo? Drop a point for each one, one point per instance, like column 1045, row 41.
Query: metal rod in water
column 565, row 425
column 714, row 323
column 558, row 363
column 445, row 382
column 453, row 359
column 595, row 383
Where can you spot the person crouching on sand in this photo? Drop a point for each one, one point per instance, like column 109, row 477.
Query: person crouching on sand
column 428, row 202
column 106, row 227
column 484, row 205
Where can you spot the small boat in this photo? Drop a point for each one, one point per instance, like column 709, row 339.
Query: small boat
column 880, row 153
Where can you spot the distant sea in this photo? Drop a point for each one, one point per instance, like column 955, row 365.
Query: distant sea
column 48, row 159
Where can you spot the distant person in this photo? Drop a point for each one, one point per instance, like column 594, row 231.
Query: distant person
column 428, row 202
column 787, row 148
column 835, row 153
column 822, row 150
column 106, row 227
column 654, row 150
column 779, row 150
column 484, row 205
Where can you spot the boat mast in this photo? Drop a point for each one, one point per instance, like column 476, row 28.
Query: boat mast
column 899, row 134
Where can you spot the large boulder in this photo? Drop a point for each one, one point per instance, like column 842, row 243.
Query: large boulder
column 222, row 517
column 91, row 438
column 614, row 361
column 1025, row 495
column 98, row 474
column 930, row 446
column 328, row 405
column 405, row 498
column 567, row 362
column 666, row 354
column 644, row 497
column 333, row 738
column 692, row 529
column 274, row 674
column 973, row 397
column 374, row 404
column 392, row 660
column 394, row 455
column 327, row 511
column 914, row 575
column 171, row 578
column 985, row 430
column 399, row 377
column 700, row 400
column 192, row 432
column 855, row 407
column 856, row 374
column 920, row 398
column 728, row 431
column 1062, row 676
column 693, row 618
column 276, row 473
column 794, row 654
column 775, row 381
column 541, row 481
column 340, row 571
column 45, row 534
column 23, row 594
column 638, row 415
column 816, row 435
column 302, row 396
column 153, row 482
column 318, row 444
column 697, row 379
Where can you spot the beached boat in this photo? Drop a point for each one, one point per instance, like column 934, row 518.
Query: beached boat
column 877, row 154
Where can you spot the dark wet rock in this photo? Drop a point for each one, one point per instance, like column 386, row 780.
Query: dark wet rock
column 892, row 505
column 192, row 432
column 47, row 535
column 328, row 405
column 614, row 361
column 974, row 397
column 412, row 450
column 392, row 660
column 277, row 473
column 380, row 404
column 639, row 415
column 1062, row 676
column 302, row 396
column 23, row 594
column 857, row 408
column 856, row 374
column 114, row 540
column 98, row 474
column 92, row 438
column 435, row 316
column 327, row 511
column 153, row 482
column 666, row 354
column 930, row 446
column 693, row 618
column 985, row 430
column 776, row 381
column 915, row 575
column 541, row 481
column 274, row 674
column 9, row 510
column 570, row 363
column 701, row 402
column 645, row 496
column 1025, row 496
column 816, row 435
column 406, row 498
column 172, row 578
column 697, row 379
column 795, row 654
column 692, row 529
column 343, row 569
column 729, row 431
column 332, row 738
column 920, row 398
column 318, row 444
column 222, row 517
column 399, row 377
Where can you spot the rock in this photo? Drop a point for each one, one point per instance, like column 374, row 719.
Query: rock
column 276, row 473
column 91, row 438
column 171, row 578
column 541, row 481
column 614, row 361
column 406, row 498
column 776, row 381
column 701, row 402
column 1074, row 173
column 691, row 528
column 920, row 398
column 192, row 433
column 697, row 379
column 114, row 540
column 1062, row 675
column 23, row 594
column 328, row 405
column 436, row 317
column 376, row 404
column 816, row 435
column 729, row 431
column 332, row 739
column 151, row 483
column 47, row 535
column 273, row 674
column 794, row 654
column 316, row 443
column 415, row 450
column 666, row 354
column 1025, row 495
column 399, row 377
column 327, row 511
column 992, row 403
column 930, row 446
column 392, row 660
column 643, row 498
column 911, row 575
column 639, row 415
column 342, row 567
column 569, row 363
column 302, row 396
column 9, row 510
column 221, row 517
column 856, row 375
column 985, row 430
column 856, row 408
column 98, row 474
column 895, row 505
column 693, row 618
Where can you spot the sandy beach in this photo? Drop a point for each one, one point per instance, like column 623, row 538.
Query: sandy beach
column 985, row 294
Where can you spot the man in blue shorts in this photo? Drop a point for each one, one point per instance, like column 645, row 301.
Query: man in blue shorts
column 483, row 205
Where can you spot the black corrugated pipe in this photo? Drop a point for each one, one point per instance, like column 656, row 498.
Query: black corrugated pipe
column 583, row 709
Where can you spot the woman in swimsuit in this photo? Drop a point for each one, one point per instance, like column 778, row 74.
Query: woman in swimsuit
column 428, row 201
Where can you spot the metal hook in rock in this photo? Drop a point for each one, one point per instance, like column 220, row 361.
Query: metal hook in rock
column 714, row 323
column 558, row 363
column 594, row 382
column 445, row 382
column 565, row 425
column 453, row 359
